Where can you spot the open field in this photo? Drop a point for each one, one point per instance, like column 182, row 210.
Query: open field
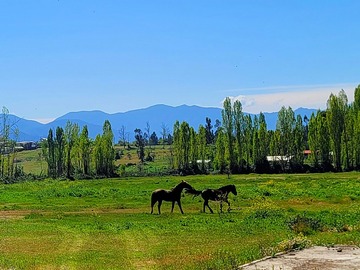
column 105, row 224
column 33, row 162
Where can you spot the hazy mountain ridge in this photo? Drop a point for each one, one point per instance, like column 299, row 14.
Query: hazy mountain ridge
column 156, row 116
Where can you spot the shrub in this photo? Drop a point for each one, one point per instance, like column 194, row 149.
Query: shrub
column 304, row 225
column 299, row 242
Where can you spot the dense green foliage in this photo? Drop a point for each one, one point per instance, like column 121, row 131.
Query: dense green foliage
column 243, row 144
column 72, row 152
column 105, row 224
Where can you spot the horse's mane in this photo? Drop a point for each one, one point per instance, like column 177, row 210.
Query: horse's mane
column 226, row 187
column 181, row 183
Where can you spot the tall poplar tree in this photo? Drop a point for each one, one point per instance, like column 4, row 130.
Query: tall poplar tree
column 248, row 137
column 51, row 160
column 285, row 126
column 201, row 143
column 238, row 126
column 107, row 144
column 227, row 117
column 176, row 144
column 314, row 140
column 336, row 119
column 193, row 150
column 140, row 144
column 85, row 150
column 60, row 151
column 299, row 143
column 356, row 128
column 219, row 161
column 260, row 145
column 71, row 139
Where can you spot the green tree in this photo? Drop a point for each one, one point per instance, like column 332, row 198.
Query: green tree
column 104, row 152
column 356, row 144
column 153, row 140
column 227, row 117
column 260, row 145
column 107, row 144
column 336, row 123
column 285, row 125
column 51, row 158
column 176, row 144
column 85, row 150
column 184, row 147
column 275, row 149
column 299, row 143
column 324, row 141
column 193, row 150
column 248, row 137
column 140, row 144
column 60, row 151
column 238, row 125
column 356, row 128
column 209, row 132
column 98, row 156
column 219, row 161
column 314, row 140
column 71, row 139
column 201, row 143
column 357, row 99
column 185, row 152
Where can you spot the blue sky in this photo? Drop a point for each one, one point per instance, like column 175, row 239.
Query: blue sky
column 115, row 56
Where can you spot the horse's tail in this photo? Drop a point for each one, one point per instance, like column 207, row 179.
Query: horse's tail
column 193, row 192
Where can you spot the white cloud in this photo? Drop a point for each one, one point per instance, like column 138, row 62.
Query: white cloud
column 314, row 97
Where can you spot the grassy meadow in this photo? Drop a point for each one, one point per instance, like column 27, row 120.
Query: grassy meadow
column 105, row 224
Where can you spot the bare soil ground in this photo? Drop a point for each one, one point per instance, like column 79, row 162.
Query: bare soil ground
column 317, row 257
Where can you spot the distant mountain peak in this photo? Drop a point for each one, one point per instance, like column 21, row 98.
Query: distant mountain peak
column 156, row 115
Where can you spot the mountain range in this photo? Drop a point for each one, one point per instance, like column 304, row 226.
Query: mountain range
column 156, row 116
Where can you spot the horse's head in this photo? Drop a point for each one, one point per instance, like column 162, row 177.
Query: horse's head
column 233, row 189
column 185, row 184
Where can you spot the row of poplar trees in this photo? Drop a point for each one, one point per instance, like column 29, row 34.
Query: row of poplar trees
column 334, row 134
column 70, row 151
column 242, row 143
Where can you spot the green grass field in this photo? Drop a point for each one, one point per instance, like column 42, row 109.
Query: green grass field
column 105, row 224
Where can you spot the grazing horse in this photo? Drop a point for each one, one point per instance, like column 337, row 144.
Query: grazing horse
column 220, row 194
column 172, row 195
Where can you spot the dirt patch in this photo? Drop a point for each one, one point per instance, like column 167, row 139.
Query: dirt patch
column 324, row 258
column 14, row 214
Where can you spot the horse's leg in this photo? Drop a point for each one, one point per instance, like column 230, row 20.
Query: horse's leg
column 153, row 201
column 159, row 204
column 179, row 203
column 172, row 206
column 207, row 204
column 226, row 200
column 212, row 212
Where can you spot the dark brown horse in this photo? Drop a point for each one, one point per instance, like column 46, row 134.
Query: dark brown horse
column 220, row 194
column 172, row 195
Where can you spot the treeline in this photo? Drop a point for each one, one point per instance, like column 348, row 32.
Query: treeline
column 70, row 152
column 242, row 144
column 327, row 141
